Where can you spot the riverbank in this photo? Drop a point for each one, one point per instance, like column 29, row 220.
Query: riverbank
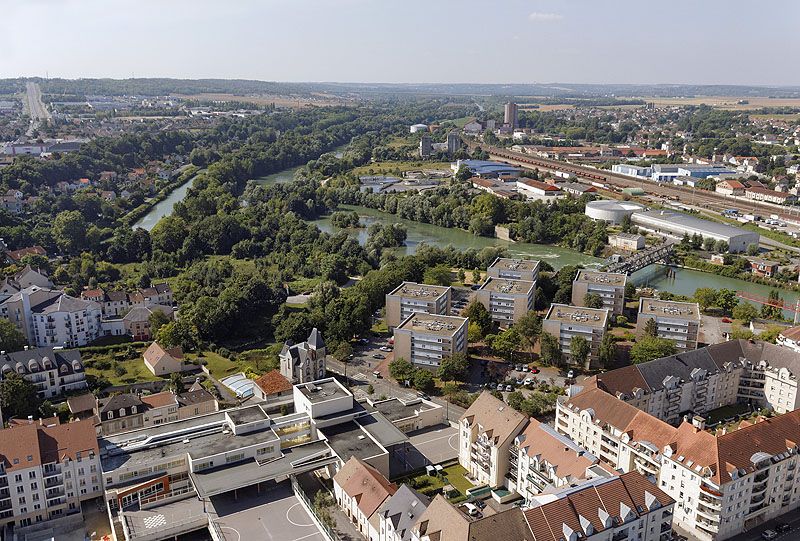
column 146, row 215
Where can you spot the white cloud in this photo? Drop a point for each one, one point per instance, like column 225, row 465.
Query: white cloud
column 543, row 17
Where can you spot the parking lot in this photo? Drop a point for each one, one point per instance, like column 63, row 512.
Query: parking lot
column 274, row 514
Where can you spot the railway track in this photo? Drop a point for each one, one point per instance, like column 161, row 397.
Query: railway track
column 702, row 198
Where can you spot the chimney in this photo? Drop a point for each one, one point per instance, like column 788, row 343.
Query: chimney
column 30, row 419
column 699, row 422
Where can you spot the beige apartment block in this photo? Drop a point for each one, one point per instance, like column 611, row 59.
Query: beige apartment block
column 676, row 321
column 514, row 269
column 566, row 322
column 426, row 339
column 610, row 286
column 409, row 298
column 507, row 300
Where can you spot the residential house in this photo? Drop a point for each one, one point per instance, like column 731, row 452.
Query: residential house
column 764, row 267
column 304, row 362
column 442, row 521
column 730, row 187
column 360, row 490
column 790, row 338
column 486, row 433
column 196, row 401
column 163, row 361
column 273, row 385
column 128, row 411
column 399, row 513
column 15, row 256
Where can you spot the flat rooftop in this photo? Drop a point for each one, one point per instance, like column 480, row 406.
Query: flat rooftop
column 509, row 287
column 432, row 324
column 592, row 317
column 628, row 236
column 682, row 310
column 514, row 264
column 198, row 444
column 419, row 291
column 350, row 439
column 322, row 390
column 250, row 414
column 670, row 220
column 604, row 278
column 395, row 410
column 293, row 460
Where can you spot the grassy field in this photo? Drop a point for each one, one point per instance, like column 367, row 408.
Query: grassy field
column 453, row 475
column 118, row 368
column 267, row 99
column 788, row 118
column 257, row 361
column 377, row 168
column 727, row 102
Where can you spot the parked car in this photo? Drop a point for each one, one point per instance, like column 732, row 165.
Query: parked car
column 386, row 348
column 782, row 527
column 526, row 368
column 769, row 534
column 509, row 388
column 571, row 374
column 472, row 510
column 499, row 386
column 480, row 504
column 377, row 374
column 519, row 381
column 534, row 370
column 378, row 356
column 528, row 381
column 423, row 396
column 364, row 340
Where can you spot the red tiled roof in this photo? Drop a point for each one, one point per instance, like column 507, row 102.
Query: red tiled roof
column 273, row 382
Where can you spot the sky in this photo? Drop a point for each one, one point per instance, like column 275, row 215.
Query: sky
column 406, row 41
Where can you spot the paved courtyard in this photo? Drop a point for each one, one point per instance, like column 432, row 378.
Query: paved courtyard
column 437, row 444
column 273, row 515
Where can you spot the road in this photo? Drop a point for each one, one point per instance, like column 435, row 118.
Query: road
column 35, row 107
column 754, row 534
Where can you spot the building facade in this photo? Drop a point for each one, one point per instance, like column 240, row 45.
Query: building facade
column 486, row 435
column 676, row 321
column 305, row 361
column 425, row 339
column 53, row 372
column 565, row 322
column 410, row 297
column 609, row 286
column 507, row 301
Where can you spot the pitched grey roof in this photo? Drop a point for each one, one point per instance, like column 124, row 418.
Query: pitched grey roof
column 121, row 401
column 67, row 361
column 403, row 509
column 315, row 339
column 680, row 366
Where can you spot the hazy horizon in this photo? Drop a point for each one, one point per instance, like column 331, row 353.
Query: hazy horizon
column 714, row 42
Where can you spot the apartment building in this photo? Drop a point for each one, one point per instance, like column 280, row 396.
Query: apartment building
column 542, row 460
column 115, row 304
column 53, row 372
column 725, row 482
column 609, row 286
column 128, row 411
column 618, row 508
column 49, row 317
column 514, row 269
column 676, row 321
column 409, row 298
column 507, row 301
column 426, row 339
column 565, row 322
column 486, row 435
column 46, row 470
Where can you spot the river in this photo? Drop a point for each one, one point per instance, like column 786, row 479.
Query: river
column 679, row 281
column 164, row 208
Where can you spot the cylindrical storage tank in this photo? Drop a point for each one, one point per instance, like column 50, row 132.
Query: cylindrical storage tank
column 611, row 211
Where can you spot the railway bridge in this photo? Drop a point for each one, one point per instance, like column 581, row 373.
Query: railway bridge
column 645, row 258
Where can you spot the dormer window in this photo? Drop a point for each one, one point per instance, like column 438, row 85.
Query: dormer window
column 122, row 412
column 133, row 409
column 110, row 414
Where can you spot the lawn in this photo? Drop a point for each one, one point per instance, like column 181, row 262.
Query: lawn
column 726, row 412
column 454, row 475
column 118, row 368
column 255, row 360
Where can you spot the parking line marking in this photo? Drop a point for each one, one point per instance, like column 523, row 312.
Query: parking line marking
column 448, row 436
column 305, row 536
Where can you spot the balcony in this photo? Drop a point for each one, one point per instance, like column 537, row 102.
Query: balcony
column 714, row 505
column 55, row 492
column 707, row 514
column 5, row 505
column 53, row 481
column 708, row 526
column 52, row 469
column 56, row 502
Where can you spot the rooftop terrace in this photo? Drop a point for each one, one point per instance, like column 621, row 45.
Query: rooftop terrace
column 593, row 317
column 684, row 310
column 420, row 291
column 432, row 324
column 322, row 390
column 605, row 278
column 509, row 287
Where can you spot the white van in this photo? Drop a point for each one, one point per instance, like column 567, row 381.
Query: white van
column 471, row 509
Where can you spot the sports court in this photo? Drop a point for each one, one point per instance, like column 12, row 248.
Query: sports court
column 274, row 515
